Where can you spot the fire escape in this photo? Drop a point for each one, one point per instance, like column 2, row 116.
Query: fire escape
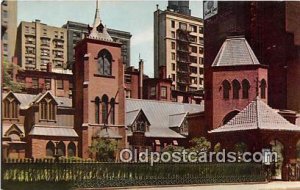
column 183, row 59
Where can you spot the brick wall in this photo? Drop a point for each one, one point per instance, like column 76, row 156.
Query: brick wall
column 38, row 145
column 89, row 85
column 222, row 107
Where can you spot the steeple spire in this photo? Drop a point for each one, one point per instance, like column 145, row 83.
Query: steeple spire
column 98, row 30
column 97, row 19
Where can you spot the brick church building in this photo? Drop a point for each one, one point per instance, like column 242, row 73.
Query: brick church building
column 99, row 88
column 236, row 112
column 240, row 89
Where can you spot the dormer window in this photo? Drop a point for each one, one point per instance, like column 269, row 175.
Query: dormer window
column 10, row 108
column 140, row 126
column 104, row 63
column 47, row 110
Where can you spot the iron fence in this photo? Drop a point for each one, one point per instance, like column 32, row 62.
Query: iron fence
column 88, row 174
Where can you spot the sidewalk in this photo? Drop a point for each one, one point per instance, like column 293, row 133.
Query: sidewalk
column 278, row 185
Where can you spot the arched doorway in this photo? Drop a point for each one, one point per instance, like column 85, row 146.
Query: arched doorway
column 277, row 146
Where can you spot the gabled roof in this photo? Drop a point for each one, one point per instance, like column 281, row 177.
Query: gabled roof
column 158, row 112
column 7, row 128
column 11, row 94
column 41, row 96
column 26, row 100
column 176, row 120
column 257, row 115
column 235, row 51
column 161, row 116
column 132, row 116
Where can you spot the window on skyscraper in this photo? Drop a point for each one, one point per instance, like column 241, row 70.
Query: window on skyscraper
column 173, row 24
column 173, row 34
column 173, row 45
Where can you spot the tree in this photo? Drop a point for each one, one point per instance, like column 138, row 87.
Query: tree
column 104, row 149
column 200, row 144
column 172, row 148
column 240, row 147
column 217, row 147
column 8, row 82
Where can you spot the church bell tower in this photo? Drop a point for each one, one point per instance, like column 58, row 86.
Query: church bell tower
column 99, row 88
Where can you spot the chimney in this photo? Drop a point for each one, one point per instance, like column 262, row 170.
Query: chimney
column 141, row 77
column 162, row 72
column 49, row 67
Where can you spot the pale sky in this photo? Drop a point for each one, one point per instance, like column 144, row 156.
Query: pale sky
column 135, row 17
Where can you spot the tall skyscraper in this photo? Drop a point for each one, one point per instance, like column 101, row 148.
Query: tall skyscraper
column 9, row 21
column 178, row 46
column 181, row 7
column 39, row 44
column 272, row 30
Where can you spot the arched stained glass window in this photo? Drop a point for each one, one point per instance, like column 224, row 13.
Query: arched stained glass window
column 104, row 63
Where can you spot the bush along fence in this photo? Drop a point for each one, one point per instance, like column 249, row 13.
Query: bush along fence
column 89, row 174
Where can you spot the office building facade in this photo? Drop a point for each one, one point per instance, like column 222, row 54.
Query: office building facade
column 39, row 44
column 9, row 21
column 178, row 45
